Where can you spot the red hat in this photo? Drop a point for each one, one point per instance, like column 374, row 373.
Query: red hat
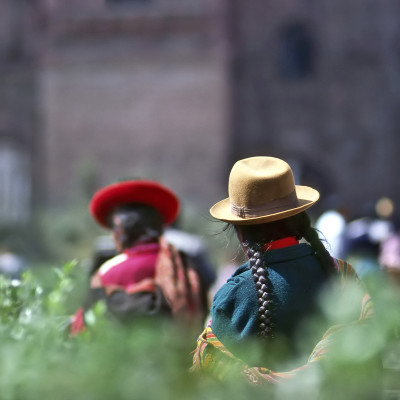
column 140, row 191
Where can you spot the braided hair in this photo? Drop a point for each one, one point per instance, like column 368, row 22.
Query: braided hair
column 263, row 286
column 254, row 237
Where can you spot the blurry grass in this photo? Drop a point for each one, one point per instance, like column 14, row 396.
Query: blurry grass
column 151, row 358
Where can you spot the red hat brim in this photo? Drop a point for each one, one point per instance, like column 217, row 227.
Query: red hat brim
column 151, row 193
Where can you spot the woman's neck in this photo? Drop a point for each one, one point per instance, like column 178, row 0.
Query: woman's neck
column 280, row 243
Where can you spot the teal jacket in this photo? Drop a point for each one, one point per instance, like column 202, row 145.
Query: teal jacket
column 296, row 277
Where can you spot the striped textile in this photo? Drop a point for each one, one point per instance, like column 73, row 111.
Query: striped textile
column 212, row 357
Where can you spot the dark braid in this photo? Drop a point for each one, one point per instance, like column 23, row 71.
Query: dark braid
column 311, row 235
column 255, row 236
column 263, row 286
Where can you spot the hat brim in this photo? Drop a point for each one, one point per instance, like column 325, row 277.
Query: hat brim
column 150, row 193
column 306, row 196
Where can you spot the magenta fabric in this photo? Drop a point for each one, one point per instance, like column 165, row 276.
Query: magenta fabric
column 132, row 266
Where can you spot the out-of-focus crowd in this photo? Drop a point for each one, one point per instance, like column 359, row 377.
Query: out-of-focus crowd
column 370, row 241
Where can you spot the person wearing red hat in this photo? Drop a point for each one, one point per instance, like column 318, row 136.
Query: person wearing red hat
column 147, row 277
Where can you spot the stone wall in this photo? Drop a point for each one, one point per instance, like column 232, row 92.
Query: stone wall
column 18, row 123
column 146, row 96
column 178, row 90
column 336, row 118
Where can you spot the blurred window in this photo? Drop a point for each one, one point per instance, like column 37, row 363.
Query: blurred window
column 14, row 185
column 296, row 52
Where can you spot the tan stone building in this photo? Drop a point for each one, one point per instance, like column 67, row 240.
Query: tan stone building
column 134, row 88
column 176, row 90
column 317, row 82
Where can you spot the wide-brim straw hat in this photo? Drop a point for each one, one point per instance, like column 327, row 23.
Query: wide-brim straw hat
column 262, row 189
column 146, row 192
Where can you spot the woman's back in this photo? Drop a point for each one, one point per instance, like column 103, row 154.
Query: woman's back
column 296, row 278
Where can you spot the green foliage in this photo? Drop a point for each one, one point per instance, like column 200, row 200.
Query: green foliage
column 39, row 359
column 26, row 307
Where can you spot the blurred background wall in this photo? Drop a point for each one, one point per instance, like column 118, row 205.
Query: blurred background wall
column 317, row 82
column 92, row 91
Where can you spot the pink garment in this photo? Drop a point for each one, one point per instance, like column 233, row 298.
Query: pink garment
column 131, row 266
column 390, row 252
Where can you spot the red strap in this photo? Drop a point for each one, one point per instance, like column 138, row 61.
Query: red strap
column 77, row 323
column 280, row 243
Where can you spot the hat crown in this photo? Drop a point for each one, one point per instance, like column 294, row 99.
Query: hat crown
column 151, row 193
column 259, row 181
column 262, row 189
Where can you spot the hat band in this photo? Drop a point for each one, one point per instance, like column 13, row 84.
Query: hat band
column 286, row 203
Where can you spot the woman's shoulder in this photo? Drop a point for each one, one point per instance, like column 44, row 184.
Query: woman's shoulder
column 238, row 282
column 234, row 307
column 240, row 271
column 111, row 263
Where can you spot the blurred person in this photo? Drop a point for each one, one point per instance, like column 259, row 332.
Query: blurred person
column 192, row 250
column 268, row 299
column 364, row 235
column 389, row 256
column 12, row 264
column 332, row 224
column 389, row 251
column 148, row 276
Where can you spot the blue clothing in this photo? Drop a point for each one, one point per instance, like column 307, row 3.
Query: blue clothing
column 296, row 277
